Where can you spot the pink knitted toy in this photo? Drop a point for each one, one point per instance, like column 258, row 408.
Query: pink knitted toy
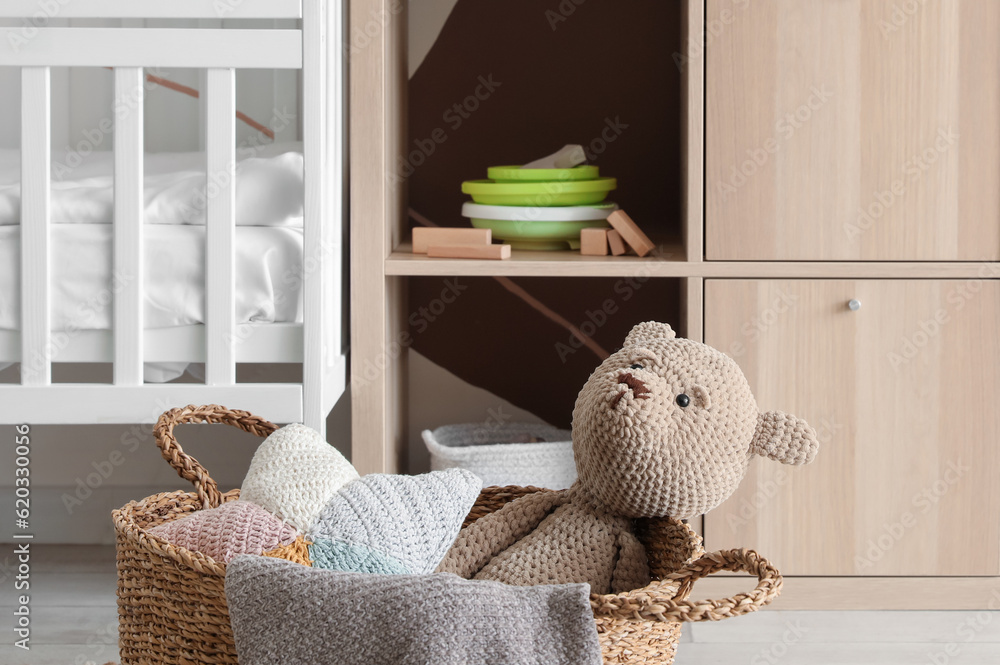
column 236, row 527
column 664, row 427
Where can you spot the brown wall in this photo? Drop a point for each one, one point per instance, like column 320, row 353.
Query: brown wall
column 561, row 77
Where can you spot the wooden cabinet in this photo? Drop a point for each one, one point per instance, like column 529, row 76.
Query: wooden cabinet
column 843, row 149
column 903, row 392
column 853, row 130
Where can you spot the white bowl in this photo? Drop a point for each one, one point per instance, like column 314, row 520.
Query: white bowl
column 539, row 214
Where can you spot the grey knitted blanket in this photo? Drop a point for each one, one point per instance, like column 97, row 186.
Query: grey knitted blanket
column 284, row 613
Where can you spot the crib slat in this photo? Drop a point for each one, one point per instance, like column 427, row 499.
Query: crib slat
column 129, row 204
column 36, row 138
column 220, row 368
column 336, row 232
column 315, row 267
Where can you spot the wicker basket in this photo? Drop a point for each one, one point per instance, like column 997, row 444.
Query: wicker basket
column 172, row 604
column 644, row 625
column 499, row 455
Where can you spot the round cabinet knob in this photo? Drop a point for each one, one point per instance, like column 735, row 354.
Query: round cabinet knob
column 854, row 305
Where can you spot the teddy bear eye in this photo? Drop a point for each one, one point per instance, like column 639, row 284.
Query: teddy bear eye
column 683, row 400
column 637, row 366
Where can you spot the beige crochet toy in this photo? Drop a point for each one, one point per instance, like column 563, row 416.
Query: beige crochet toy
column 664, row 427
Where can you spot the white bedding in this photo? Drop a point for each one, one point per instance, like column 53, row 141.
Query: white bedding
column 269, row 188
column 268, row 264
column 268, row 244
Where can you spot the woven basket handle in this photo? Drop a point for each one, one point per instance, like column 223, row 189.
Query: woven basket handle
column 188, row 467
column 656, row 602
column 747, row 561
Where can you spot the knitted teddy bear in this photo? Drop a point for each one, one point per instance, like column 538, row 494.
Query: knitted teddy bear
column 664, row 427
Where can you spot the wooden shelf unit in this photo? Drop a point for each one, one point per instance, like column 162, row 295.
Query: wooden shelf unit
column 380, row 258
column 668, row 259
column 403, row 263
column 381, row 265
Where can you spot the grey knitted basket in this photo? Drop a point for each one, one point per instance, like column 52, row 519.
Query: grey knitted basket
column 505, row 455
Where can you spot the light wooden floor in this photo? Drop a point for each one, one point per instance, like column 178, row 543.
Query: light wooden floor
column 74, row 622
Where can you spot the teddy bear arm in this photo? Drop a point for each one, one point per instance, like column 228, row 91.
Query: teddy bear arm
column 632, row 568
column 481, row 541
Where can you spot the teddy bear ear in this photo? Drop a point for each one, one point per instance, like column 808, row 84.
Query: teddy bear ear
column 650, row 331
column 784, row 438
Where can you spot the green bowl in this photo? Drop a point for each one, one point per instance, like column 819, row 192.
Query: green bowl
column 542, row 194
column 538, row 235
column 517, row 174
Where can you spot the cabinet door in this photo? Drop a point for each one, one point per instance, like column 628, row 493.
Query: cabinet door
column 853, row 130
column 904, row 394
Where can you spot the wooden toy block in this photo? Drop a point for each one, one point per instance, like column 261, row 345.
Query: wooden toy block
column 424, row 237
column 594, row 242
column 494, row 252
column 616, row 242
column 631, row 233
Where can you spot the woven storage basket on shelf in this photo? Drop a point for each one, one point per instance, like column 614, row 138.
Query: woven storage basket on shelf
column 172, row 603
column 509, row 454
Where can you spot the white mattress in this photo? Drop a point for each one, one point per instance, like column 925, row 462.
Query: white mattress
column 269, row 188
column 267, row 276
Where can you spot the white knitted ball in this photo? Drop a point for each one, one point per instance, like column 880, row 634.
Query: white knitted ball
column 294, row 474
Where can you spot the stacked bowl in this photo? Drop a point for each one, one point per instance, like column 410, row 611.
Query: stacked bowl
column 540, row 209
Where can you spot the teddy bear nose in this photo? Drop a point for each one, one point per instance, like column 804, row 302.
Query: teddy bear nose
column 638, row 388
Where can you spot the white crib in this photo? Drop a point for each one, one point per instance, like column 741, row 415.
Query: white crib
column 222, row 342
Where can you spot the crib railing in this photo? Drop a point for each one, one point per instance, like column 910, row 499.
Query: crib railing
column 221, row 52
column 152, row 9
